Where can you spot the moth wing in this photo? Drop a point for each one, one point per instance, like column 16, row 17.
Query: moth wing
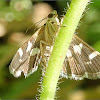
column 26, row 58
column 81, row 61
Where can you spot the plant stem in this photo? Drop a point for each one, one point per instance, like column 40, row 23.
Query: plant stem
column 61, row 45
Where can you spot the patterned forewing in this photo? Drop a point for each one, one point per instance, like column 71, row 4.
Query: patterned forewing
column 24, row 61
column 81, row 61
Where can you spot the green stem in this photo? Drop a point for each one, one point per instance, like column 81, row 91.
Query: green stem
column 61, row 45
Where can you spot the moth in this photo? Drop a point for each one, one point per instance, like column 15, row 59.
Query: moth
column 81, row 60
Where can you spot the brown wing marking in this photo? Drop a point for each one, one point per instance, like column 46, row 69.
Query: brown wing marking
column 81, row 61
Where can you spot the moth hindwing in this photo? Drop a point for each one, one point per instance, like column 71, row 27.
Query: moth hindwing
column 81, row 60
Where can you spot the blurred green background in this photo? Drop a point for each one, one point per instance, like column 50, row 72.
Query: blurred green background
column 16, row 16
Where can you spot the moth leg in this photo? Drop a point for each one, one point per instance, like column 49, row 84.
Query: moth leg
column 45, row 54
column 43, row 45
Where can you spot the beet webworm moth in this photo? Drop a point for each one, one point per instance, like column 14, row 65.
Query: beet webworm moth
column 81, row 61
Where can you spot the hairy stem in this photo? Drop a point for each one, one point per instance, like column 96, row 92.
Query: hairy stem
column 61, row 45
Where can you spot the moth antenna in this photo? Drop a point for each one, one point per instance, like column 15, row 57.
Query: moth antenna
column 36, row 24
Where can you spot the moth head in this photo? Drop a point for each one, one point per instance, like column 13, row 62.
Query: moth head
column 53, row 17
column 53, row 14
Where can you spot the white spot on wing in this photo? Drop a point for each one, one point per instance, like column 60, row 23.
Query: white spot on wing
column 81, row 45
column 76, row 77
column 88, row 62
column 77, row 48
column 18, row 73
column 69, row 53
column 13, row 70
column 93, row 54
column 86, row 74
column 20, row 60
column 29, row 46
column 20, row 52
column 73, row 76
